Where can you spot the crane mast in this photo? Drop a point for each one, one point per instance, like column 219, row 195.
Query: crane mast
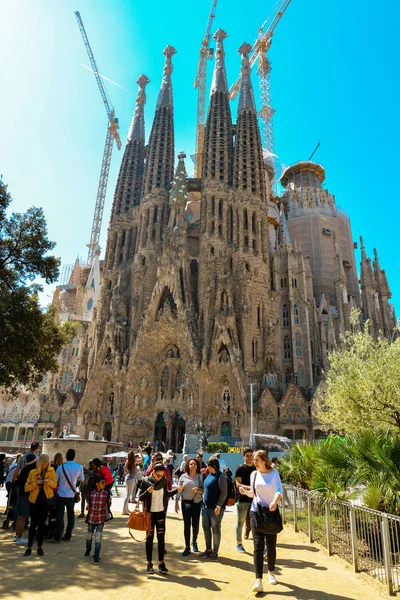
column 259, row 52
column 112, row 134
column 200, row 83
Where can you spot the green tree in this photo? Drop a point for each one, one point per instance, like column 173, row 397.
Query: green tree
column 363, row 383
column 30, row 338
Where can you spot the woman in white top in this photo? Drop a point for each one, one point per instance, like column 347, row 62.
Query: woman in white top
column 266, row 489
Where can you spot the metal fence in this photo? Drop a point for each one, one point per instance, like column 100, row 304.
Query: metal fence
column 367, row 539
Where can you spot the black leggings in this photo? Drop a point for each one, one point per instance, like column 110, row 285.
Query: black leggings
column 39, row 512
column 260, row 539
column 157, row 523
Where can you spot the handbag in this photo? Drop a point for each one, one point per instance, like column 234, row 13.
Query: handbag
column 267, row 521
column 77, row 496
column 139, row 521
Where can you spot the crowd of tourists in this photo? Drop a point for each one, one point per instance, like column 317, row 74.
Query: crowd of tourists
column 42, row 491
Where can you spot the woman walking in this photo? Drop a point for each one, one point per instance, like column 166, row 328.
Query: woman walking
column 215, row 492
column 266, row 490
column 133, row 475
column 155, row 495
column 190, row 489
column 41, row 483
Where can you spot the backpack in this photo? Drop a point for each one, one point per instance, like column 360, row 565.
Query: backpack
column 231, row 495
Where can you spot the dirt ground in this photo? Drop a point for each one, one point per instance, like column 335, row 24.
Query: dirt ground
column 304, row 571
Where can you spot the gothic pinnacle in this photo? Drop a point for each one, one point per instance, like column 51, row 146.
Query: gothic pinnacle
column 219, row 81
column 246, row 98
column 136, row 130
column 179, row 193
column 165, row 95
column 284, row 240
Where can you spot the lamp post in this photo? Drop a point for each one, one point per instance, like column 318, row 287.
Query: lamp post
column 251, row 415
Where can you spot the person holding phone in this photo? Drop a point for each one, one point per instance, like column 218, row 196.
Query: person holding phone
column 40, row 484
column 190, row 492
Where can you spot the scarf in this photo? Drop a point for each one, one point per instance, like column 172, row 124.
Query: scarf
column 158, row 485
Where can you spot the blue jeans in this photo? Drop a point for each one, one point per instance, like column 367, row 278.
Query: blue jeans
column 191, row 517
column 243, row 515
column 212, row 523
column 97, row 529
column 69, row 504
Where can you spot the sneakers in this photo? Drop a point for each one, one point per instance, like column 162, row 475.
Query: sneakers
column 162, row 569
column 40, row 552
column 150, row 570
column 257, row 587
column 96, row 561
column 81, row 516
column 206, row 554
column 87, row 553
column 240, row 548
column 214, row 557
column 28, row 552
column 194, row 547
column 21, row 541
column 186, row 552
column 272, row 579
column 66, row 538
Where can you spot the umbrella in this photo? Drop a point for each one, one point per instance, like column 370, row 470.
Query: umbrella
column 116, row 455
column 72, row 435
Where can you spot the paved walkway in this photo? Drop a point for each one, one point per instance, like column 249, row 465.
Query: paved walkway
column 304, row 571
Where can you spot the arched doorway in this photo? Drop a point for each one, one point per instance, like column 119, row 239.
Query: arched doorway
column 160, row 429
column 178, row 432
column 107, row 431
column 226, row 429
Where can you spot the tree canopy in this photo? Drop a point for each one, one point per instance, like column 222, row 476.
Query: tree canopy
column 363, row 384
column 30, row 338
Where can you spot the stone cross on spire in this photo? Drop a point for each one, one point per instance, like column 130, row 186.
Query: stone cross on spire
column 165, row 94
column 246, row 98
column 219, row 81
column 136, row 130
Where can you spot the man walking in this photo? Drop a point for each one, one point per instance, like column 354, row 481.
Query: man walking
column 243, row 503
column 68, row 476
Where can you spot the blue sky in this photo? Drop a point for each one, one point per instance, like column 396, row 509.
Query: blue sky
column 334, row 79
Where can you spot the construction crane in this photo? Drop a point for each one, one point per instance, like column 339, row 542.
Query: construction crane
column 200, row 82
column 112, row 134
column 259, row 52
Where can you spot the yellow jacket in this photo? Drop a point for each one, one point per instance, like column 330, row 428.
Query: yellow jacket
column 33, row 487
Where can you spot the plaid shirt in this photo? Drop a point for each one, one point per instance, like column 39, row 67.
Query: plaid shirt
column 97, row 507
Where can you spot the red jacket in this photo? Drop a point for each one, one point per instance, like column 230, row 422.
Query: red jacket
column 106, row 473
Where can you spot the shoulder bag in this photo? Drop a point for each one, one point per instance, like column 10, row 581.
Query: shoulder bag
column 77, row 496
column 267, row 521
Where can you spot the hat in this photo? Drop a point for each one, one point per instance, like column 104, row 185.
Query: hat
column 31, row 457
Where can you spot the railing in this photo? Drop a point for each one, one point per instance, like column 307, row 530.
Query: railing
column 367, row 539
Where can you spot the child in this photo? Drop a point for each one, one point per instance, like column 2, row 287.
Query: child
column 99, row 513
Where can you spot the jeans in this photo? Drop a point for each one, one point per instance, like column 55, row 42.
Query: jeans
column 260, row 539
column 69, row 504
column 39, row 512
column 158, row 523
column 212, row 522
column 97, row 530
column 243, row 515
column 130, row 485
column 191, row 516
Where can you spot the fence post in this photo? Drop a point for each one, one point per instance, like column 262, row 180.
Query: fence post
column 387, row 554
column 295, row 508
column 328, row 527
column 354, row 540
column 283, row 503
column 309, row 508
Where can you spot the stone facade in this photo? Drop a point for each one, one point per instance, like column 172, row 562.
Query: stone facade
column 208, row 285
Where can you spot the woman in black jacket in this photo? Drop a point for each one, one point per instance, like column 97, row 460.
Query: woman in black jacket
column 154, row 495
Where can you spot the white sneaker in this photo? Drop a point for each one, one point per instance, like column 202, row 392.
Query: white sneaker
column 21, row 541
column 257, row 587
column 272, row 579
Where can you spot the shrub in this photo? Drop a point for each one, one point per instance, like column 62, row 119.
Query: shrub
column 217, row 447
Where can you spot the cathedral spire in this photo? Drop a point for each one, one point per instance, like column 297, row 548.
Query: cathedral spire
column 367, row 275
column 284, row 240
column 219, row 81
column 136, row 130
column 179, row 195
column 159, row 168
column 246, row 98
column 165, row 93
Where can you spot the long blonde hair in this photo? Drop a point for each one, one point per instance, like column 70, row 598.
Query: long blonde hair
column 263, row 454
column 43, row 459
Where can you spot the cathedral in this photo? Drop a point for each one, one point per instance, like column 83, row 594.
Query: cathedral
column 212, row 290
